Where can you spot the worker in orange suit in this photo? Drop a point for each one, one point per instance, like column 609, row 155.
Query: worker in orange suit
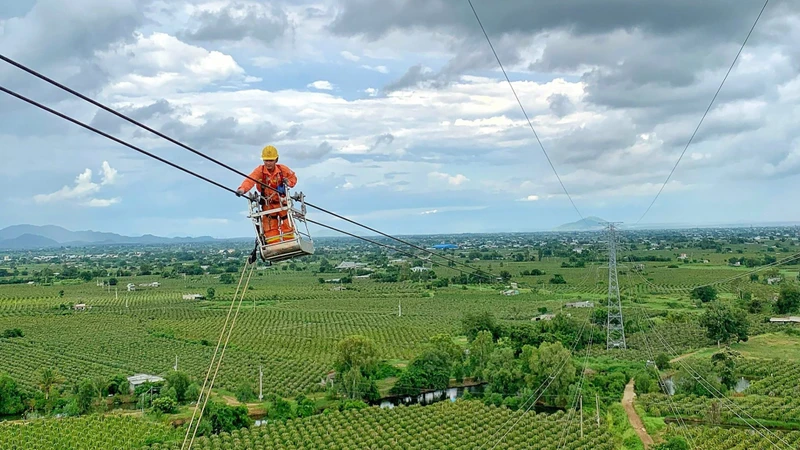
column 277, row 177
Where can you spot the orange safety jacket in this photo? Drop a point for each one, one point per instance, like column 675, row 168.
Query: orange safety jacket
column 272, row 179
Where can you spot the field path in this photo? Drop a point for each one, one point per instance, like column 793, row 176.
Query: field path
column 633, row 417
column 676, row 359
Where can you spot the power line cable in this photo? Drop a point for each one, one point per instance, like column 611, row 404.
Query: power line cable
column 486, row 35
column 221, row 186
column 196, row 152
column 108, row 136
column 705, row 113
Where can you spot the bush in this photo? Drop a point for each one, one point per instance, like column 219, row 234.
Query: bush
column 165, row 405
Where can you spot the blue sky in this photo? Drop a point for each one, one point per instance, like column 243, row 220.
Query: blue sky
column 394, row 113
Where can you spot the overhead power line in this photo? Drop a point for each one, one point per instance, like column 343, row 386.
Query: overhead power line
column 706, row 112
column 221, row 186
column 525, row 113
column 61, row 86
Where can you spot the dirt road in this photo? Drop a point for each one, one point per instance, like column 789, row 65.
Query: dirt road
column 633, row 417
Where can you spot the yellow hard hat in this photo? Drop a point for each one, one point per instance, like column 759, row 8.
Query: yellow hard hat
column 269, row 153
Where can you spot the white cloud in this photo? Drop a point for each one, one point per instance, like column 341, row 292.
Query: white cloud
column 453, row 180
column 83, row 188
column 372, row 92
column 102, row 203
column 349, row 56
column 161, row 63
column 109, row 174
column 381, row 69
column 266, row 62
column 529, row 198
column 321, row 84
column 431, row 211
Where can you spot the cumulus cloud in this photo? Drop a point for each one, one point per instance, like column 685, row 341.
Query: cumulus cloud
column 321, row 85
column 160, row 63
column 84, row 189
column 349, row 56
column 452, row 180
column 239, row 21
column 380, row 69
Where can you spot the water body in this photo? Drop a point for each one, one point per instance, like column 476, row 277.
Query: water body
column 431, row 397
column 741, row 385
column 670, row 385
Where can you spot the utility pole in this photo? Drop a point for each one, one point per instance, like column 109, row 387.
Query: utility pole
column 597, row 408
column 260, row 383
column 615, row 331
column 581, row 401
column 176, row 363
column 399, row 309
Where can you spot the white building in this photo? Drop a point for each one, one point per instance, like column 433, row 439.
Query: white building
column 141, row 378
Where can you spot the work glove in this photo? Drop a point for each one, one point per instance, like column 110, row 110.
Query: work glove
column 281, row 189
column 239, row 192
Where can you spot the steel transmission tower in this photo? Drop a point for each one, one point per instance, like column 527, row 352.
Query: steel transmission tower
column 615, row 332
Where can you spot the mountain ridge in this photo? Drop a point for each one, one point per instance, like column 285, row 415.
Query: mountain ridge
column 25, row 236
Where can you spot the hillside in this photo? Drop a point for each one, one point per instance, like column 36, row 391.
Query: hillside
column 18, row 237
column 586, row 224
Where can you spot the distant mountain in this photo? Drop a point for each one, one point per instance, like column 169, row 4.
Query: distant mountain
column 586, row 224
column 33, row 236
column 27, row 241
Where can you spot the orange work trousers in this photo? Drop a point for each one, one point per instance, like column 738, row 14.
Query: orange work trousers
column 273, row 225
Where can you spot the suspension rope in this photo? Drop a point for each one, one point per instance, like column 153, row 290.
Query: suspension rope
column 219, row 362
column 706, row 112
column 216, row 349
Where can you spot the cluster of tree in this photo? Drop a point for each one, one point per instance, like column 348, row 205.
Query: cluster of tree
column 357, row 367
column 649, row 258
column 750, row 261
column 55, row 396
column 532, row 273
column 724, row 323
column 709, row 378
column 12, row 333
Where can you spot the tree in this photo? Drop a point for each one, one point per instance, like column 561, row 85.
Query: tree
column 429, row 370
column 165, row 405
column 480, row 349
column 211, row 293
column 662, row 361
column 10, row 396
column 356, row 362
column 724, row 323
column 226, row 278
column 87, row 393
column 704, row 293
column 538, row 365
column 245, row 392
column 180, row 381
column 61, row 293
column 724, row 363
column 47, row 379
column 505, row 275
column 473, row 323
column 222, row 417
column 112, row 282
column 558, row 279
column 674, row 443
column 788, row 300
